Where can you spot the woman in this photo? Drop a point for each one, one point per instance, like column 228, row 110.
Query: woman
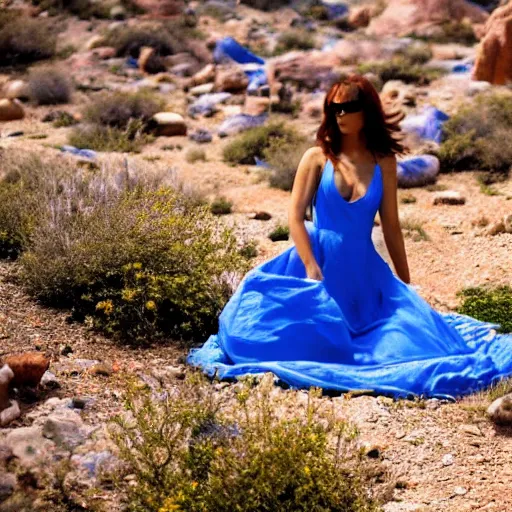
column 329, row 311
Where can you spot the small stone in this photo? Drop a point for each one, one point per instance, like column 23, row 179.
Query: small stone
column 400, row 435
column 448, row 459
column 460, row 491
column 450, row 197
column 78, row 403
column 471, row 429
column 262, row 216
column 49, row 380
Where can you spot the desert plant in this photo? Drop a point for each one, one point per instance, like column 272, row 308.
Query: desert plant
column 49, row 86
column 283, row 157
column 106, row 138
column 489, row 304
column 183, row 448
column 117, row 110
column 252, row 143
column 280, row 233
column 413, row 227
column 195, row 154
column 476, row 137
column 129, row 40
column 221, row 206
column 296, row 39
column 24, row 40
column 84, row 9
column 401, row 68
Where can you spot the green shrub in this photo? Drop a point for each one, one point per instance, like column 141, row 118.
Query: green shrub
column 418, row 53
column 221, row 206
column 189, row 453
column 284, row 157
column 488, row 304
column 249, row 250
column 120, row 108
column 476, row 137
column 195, row 154
column 461, row 32
column 407, row 199
column 147, row 266
column 105, row 138
column 294, row 40
column 280, row 233
column 129, row 40
column 413, row 227
column 401, row 68
column 49, row 86
column 252, row 143
column 24, row 40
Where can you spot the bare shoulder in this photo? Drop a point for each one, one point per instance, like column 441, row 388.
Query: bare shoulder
column 313, row 155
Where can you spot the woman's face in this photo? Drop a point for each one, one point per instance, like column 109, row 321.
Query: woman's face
column 348, row 122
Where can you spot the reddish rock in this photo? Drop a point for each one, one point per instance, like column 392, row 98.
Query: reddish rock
column 230, row 79
column 494, row 59
column 11, row 110
column 404, row 17
column 150, row 62
column 28, row 368
column 104, row 52
column 360, row 16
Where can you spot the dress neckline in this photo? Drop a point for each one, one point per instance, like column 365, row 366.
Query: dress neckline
column 367, row 190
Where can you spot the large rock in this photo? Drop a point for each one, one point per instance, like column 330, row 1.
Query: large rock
column 231, row 79
column 168, row 124
column 17, row 89
column 494, row 59
column 500, row 411
column 308, row 70
column 404, row 17
column 11, row 110
column 360, row 16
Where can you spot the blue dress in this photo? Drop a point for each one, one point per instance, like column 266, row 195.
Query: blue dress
column 361, row 328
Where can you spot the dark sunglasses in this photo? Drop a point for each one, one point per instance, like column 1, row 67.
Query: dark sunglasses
column 347, row 107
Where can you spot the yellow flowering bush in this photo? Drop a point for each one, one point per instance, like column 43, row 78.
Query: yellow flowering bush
column 195, row 450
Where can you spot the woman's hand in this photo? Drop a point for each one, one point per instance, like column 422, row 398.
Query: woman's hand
column 313, row 271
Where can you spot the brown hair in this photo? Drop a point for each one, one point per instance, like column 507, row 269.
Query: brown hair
column 382, row 134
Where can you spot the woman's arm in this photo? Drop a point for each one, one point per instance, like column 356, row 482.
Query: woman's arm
column 389, row 218
column 304, row 186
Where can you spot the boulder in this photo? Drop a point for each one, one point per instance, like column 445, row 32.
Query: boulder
column 256, row 105
column 494, row 58
column 168, row 124
column 397, row 92
column 448, row 197
column 16, row 89
column 500, row 411
column 308, row 70
column 204, row 75
column 11, row 110
column 231, row 79
column 6, row 375
column 149, row 61
column 28, row 368
column 421, row 17
column 360, row 17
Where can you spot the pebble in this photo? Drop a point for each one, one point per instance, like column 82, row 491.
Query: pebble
column 448, row 459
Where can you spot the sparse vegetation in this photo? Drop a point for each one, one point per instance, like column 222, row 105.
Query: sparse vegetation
column 461, row 32
column 477, row 136
column 296, row 39
column 24, row 40
column 253, row 143
column 249, row 250
column 84, row 9
column 184, row 448
column 407, row 199
column 280, row 233
column 49, row 86
column 401, row 67
column 221, row 206
column 129, row 40
column 195, row 154
column 489, row 304
column 413, row 227
column 283, row 157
